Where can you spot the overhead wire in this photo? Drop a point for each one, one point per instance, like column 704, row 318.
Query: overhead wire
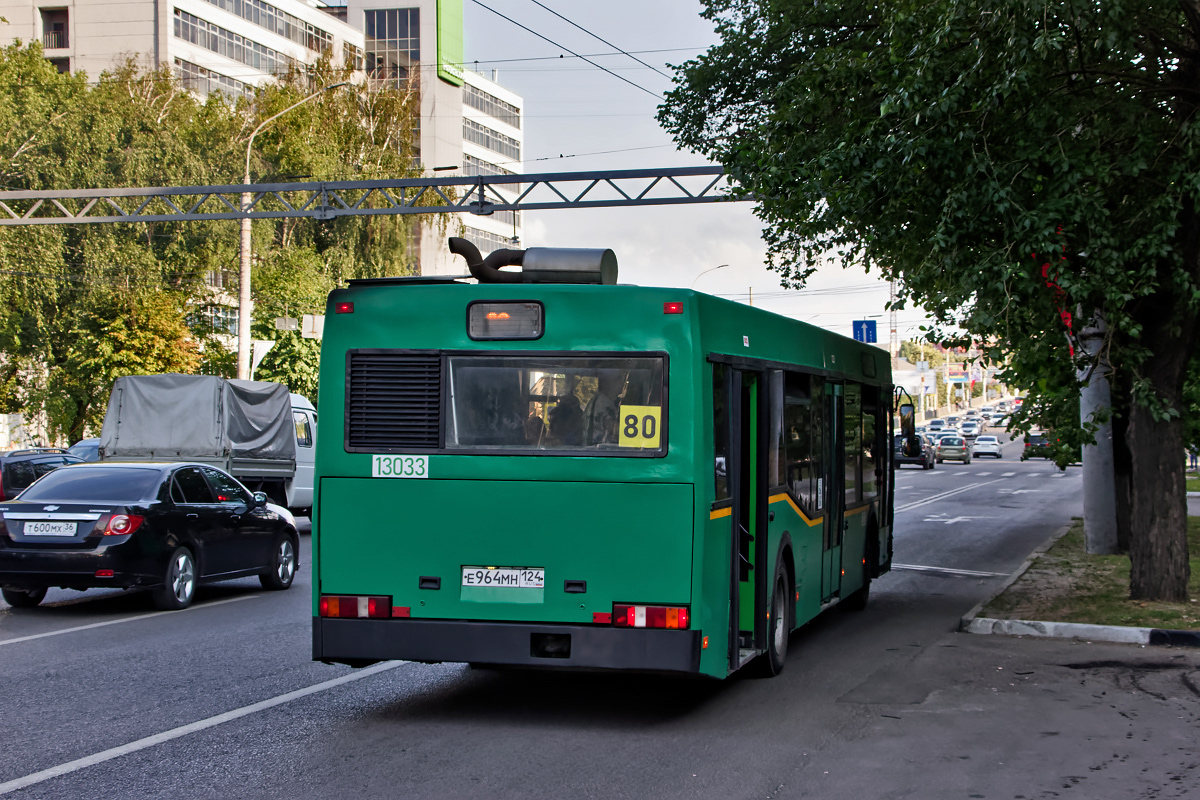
column 595, row 36
column 569, row 50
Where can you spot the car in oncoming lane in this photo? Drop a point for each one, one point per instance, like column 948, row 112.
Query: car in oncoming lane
column 987, row 446
column 165, row 527
column 953, row 448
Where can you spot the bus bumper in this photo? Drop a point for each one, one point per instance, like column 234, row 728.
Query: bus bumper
column 360, row 642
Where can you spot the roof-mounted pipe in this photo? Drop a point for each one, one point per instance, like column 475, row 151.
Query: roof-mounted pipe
column 539, row 264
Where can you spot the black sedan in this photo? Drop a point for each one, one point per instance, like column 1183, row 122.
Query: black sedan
column 166, row 527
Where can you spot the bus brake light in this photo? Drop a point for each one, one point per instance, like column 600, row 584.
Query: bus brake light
column 497, row 315
column 355, row 606
column 671, row 618
column 344, row 308
column 672, row 308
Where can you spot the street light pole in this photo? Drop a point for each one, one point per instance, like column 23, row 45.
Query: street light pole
column 705, row 272
column 243, row 357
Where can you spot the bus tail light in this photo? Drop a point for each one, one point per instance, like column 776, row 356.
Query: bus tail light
column 344, row 308
column 672, row 308
column 670, row 617
column 355, row 606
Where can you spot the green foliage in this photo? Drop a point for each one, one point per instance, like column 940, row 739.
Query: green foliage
column 82, row 305
column 1007, row 161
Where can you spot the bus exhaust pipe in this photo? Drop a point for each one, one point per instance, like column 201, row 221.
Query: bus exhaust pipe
column 539, row 264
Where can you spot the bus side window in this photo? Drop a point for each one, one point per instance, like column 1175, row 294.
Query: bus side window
column 817, row 442
column 721, row 429
column 870, row 443
column 853, row 431
column 797, row 431
column 777, row 426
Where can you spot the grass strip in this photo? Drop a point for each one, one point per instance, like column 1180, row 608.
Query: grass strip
column 1065, row 584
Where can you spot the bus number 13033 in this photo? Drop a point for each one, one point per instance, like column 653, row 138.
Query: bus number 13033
column 399, row 466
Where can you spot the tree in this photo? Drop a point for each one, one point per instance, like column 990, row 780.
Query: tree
column 1009, row 162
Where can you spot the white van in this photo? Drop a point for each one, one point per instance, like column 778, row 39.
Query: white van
column 300, row 488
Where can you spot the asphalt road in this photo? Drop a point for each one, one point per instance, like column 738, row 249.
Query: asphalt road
column 105, row 697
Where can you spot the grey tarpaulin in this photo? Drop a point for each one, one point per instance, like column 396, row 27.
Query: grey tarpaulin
column 197, row 416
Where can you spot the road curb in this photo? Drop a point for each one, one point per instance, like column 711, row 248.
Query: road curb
column 1120, row 634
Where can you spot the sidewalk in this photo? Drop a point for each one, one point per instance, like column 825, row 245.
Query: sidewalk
column 973, row 623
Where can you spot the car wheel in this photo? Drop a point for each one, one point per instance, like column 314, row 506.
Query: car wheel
column 770, row 663
column 24, row 598
column 939, row 461
column 283, row 566
column 179, row 584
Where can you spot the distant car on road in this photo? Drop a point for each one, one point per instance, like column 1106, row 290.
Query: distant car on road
column 166, row 527
column 1037, row 445
column 19, row 468
column 87, row 449
column 936, row 425
column 923, row 457
column 987, row 446
column 953, row 448
column 970, row 429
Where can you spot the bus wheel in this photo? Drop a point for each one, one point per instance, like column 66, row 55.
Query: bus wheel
column 770, row 663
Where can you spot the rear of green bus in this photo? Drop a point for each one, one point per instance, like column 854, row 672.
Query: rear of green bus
column 506, row 475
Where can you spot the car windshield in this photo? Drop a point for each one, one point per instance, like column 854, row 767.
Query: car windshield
column 95, row 484
column 952, row 441
column 985, row 440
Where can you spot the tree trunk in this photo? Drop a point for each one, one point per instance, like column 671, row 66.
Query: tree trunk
column 1158, row 551
column 1122, row 475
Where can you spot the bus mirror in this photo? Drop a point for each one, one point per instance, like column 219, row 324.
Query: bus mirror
column 908, row 421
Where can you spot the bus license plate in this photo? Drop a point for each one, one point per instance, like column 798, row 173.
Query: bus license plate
column 505, row 577
column 49, row 528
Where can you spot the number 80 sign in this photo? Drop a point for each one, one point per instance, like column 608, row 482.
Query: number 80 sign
column 640, row 426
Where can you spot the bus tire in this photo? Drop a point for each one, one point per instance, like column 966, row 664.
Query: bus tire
column 770, row 663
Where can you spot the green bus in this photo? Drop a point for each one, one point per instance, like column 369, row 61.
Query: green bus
column 543, row 468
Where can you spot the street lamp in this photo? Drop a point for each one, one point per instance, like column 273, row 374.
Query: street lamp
column 243, row 358
column 710, row 269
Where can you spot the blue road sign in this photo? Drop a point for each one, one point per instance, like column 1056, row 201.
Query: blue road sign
column 864, row 330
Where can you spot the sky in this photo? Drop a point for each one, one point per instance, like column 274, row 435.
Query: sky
column 597, row 121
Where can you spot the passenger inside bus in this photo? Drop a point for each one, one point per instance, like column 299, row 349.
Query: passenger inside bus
column 600, row 416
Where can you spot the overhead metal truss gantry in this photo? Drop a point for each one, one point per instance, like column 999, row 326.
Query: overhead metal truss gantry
column 481, row 195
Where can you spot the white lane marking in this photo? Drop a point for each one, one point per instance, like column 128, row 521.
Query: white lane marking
column 949, row 520
column 949, row 571
column 155, row 615
column 184, row 730
column 982, row 474
column 1008, row 475
column 966, row 472
column 936, row 497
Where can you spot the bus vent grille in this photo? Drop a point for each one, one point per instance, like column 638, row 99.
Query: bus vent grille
column 393, row 401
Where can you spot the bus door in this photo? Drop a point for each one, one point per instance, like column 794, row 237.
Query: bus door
column 748, row 474
column 835, row 488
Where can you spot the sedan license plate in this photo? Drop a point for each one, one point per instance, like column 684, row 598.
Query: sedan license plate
column 49, row 528
column 505, row 577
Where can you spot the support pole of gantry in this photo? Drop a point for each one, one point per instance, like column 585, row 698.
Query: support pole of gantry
column 1099, row 484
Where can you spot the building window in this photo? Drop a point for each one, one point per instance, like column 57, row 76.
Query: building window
column 492, row 140
column 218, row 319
column 226, row 43
column 352, row 56
column 204, row 82
column 393, row 43
column 491, row 105
column 473, row 166
column 63, row 65
column 54, row 28
column 219, row 278
column 279, row 22
column 487, row 241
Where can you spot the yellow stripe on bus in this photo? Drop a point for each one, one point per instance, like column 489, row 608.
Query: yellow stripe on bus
column 783, row 498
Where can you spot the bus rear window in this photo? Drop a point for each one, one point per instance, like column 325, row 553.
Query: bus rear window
column 605, row 405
